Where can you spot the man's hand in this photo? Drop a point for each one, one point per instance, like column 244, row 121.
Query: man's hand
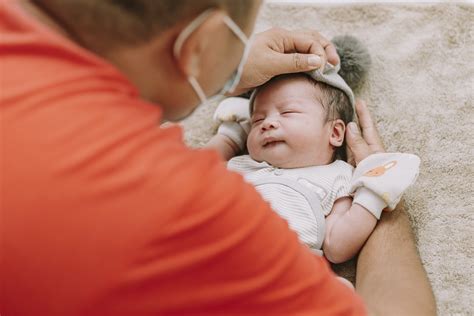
column 278, row 51
column 360, row 145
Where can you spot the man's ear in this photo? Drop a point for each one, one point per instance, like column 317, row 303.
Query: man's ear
column 338, row 129
column 193, row 48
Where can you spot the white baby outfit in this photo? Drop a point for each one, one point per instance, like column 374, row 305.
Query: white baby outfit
column 302, row 196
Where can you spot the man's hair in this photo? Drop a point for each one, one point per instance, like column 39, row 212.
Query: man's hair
column 119, row 22
column 334, row 101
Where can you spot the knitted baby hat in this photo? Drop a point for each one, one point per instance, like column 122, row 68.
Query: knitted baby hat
column 349, row 75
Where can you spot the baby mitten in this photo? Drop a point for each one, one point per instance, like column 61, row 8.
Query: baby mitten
column 234, row 115
column 380, row 180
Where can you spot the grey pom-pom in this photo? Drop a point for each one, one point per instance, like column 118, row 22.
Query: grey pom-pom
column 355, row 60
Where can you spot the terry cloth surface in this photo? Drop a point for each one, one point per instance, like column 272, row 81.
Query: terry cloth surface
column 420, row 91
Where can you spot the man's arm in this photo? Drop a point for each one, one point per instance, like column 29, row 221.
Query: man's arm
column 347, row 228
column 390, row 276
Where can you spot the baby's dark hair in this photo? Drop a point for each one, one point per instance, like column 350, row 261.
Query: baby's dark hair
column 335, row 103
column 337, row 106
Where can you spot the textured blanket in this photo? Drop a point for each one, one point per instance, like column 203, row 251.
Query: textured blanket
column 420, row 91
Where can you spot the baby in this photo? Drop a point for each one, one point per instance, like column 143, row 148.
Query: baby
column 296, row 160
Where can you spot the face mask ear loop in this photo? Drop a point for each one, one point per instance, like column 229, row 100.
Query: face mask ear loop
column 178, row 44
column 236, row 29
column 240, row 69
column 197, row 88
column 188, row 30
column 245, row 40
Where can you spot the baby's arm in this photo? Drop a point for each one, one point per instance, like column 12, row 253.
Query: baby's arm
column 225, row 146
column 234, row 116
column 377, row 183
column 347, row 228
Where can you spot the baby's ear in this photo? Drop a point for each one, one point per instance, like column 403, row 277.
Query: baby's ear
column 338, row 130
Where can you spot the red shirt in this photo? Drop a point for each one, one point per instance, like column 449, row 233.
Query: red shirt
column 105, row 213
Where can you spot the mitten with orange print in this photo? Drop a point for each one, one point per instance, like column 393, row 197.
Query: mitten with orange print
column 380, row 179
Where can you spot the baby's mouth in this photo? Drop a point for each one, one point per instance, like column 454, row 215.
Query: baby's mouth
column 271, row 141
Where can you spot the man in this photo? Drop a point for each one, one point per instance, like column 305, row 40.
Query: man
column 105, row 213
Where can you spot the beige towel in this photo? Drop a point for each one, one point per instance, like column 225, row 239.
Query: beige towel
column 421, row 92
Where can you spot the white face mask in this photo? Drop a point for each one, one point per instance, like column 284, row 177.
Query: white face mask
column 233, row 81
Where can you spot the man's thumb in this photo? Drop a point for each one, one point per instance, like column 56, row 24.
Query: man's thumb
column 357, row 145
column 290, row 63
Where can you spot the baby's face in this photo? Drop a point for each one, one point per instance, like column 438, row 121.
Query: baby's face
column 288, row 125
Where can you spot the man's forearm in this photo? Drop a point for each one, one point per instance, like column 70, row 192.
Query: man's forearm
column 390, row 276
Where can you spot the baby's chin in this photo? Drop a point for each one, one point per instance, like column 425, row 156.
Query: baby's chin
column 286, row 160
column 279, row 161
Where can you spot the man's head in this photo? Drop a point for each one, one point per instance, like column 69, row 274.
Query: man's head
column 108, row 24
column 138, row 36
column 298, row 122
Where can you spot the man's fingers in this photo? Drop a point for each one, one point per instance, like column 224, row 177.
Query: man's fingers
column 357, row 145
column 363, row 114
column 330, row 51
column 367, row 142
column 278, row 51
column 290, row 63
column 350, row 157
column 331, row 54
column 306, row 46
column 369, row 130
column 310, row 45
column 305, row 42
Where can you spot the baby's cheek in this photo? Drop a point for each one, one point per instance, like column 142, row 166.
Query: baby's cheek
column 252, row 145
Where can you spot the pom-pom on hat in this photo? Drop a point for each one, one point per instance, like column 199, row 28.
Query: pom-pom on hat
column 350, row 73
column 355, row 60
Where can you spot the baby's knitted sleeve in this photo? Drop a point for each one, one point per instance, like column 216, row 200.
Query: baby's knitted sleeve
column 342, row 182
column 339, row 175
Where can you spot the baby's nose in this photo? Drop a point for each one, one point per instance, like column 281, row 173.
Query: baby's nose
column 270, row 124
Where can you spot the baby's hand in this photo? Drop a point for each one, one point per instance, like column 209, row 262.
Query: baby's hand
column 233, row 109
column 380, row 180
column 234, row 116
